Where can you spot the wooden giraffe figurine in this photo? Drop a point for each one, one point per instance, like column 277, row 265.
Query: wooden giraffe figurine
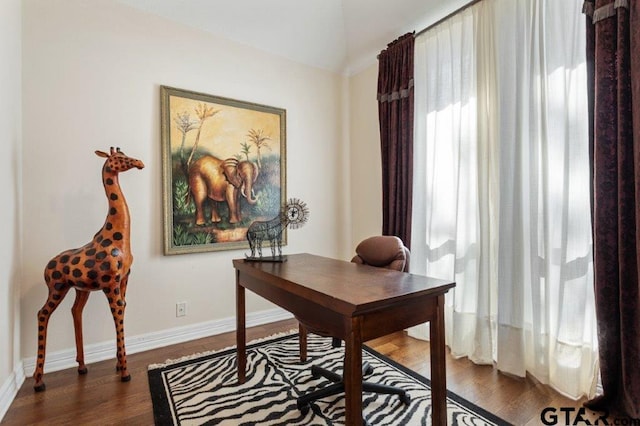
column 102, row 264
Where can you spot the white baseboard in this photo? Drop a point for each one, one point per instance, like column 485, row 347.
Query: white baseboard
column 66, row 358
column 9, row 389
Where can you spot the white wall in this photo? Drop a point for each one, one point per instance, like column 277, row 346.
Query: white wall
column 366, row 168
column 10, row 153
column 92, row 72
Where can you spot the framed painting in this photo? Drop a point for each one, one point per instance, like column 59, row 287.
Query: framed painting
column 224, row 165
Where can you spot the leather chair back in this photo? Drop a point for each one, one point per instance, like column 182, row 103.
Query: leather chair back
column 383, row 251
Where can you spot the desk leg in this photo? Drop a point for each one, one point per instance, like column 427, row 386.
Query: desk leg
column 302, row 342
column 241, row 333
column 438, row 367
column 353, row 374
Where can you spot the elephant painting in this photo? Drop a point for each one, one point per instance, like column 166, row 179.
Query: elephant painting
column 221, row 180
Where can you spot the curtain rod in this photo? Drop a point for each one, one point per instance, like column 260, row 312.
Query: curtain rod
column 455, row 12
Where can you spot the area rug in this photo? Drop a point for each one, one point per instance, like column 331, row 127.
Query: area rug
column 202, row 389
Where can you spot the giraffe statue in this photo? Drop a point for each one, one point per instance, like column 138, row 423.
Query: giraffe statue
column 102, row 264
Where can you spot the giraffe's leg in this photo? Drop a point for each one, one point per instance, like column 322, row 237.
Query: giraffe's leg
column 123, row 285
column 57, row 291
column 123, row 295
column 76, row 311
column 117, row 305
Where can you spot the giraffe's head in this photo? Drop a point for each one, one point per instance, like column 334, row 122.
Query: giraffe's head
column 118, row 161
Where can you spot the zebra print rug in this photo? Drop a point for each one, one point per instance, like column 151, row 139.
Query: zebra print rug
column 202, row 389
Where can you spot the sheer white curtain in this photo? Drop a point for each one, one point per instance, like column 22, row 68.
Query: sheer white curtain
column 501, row 187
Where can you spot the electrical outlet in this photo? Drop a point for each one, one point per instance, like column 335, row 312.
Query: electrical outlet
column 181, row 309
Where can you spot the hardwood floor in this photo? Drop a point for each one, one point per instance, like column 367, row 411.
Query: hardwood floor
column 99, row 398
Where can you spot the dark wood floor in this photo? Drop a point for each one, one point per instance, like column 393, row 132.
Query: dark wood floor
column 99, row 398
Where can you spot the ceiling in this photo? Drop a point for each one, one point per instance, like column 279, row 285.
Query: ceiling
column 338, row 35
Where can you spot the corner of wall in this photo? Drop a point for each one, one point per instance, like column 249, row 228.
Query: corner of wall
column 11, row 376
column 346, row 230
column 365, row 159
column 9, row 389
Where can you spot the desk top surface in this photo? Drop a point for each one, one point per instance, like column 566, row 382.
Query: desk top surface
column 338, row 282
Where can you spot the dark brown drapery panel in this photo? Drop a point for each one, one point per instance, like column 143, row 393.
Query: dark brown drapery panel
column 613, row 56
column 395, row 112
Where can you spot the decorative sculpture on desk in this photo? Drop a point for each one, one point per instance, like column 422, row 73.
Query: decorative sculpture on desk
column 102, row 264
column 294, row 215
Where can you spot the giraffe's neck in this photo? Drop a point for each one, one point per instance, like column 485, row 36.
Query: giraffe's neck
column 118, row 220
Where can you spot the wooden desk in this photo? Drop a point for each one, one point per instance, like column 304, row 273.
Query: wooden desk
column 355, row 303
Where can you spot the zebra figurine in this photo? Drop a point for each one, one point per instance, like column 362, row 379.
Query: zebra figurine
column 269, row 230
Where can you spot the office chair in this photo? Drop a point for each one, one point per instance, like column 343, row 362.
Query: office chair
column 379, row 251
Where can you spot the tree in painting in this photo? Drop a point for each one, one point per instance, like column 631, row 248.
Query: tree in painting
column 260, row 140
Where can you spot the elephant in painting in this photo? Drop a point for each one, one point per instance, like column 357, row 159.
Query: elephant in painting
column 221, row 180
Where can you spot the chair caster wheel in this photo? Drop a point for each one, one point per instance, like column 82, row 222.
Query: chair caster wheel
column 315, row 373
column 405, row 398
column 304, row 408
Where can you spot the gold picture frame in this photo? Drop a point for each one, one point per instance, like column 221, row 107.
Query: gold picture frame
column 224, row 166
